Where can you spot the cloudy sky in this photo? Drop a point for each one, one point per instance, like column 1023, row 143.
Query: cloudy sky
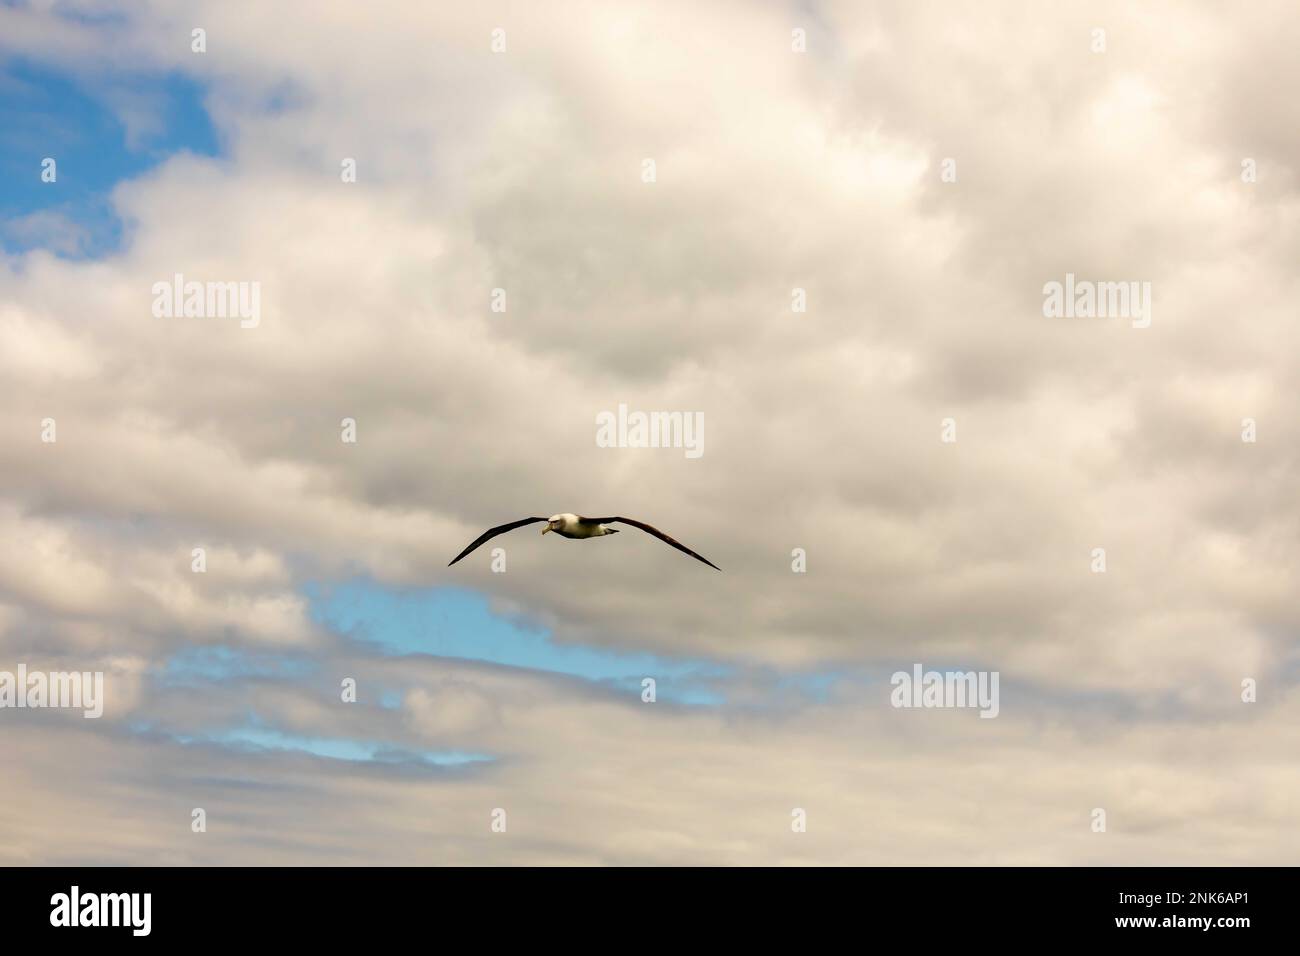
column 920, row 171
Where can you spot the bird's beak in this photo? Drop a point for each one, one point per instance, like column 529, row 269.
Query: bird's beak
column 545, row 528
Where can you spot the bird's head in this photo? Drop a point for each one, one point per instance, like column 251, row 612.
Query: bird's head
column 553, row 523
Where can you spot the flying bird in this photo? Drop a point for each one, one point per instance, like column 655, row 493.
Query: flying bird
column 575, row 526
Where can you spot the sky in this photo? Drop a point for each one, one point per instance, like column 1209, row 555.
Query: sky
column 825, row 230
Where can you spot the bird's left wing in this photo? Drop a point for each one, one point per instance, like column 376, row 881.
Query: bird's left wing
column 658, row 534
column 492, row 533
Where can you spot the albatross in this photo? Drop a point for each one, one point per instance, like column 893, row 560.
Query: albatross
column 575, row 526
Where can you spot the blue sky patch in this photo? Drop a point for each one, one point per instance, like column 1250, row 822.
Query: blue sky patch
column 99, row 132
column 209, row 664
column 259, row 738
column 459, row 623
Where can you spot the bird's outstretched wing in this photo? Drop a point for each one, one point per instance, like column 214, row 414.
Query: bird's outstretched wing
column 658, row 534
column 492, row 533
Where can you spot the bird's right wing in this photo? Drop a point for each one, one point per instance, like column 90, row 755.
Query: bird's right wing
column 492, row 533
column 658, row 534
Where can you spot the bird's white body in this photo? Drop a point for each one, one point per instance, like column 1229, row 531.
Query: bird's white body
column 571, row 526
